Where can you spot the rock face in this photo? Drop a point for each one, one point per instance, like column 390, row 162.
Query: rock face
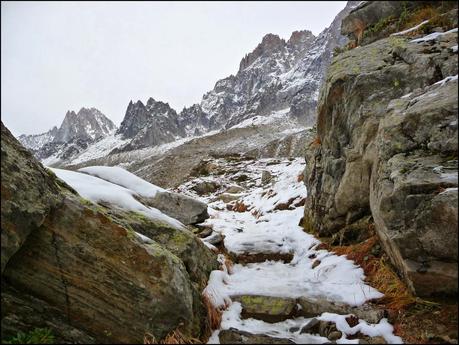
column 83, row 268
column 87, row 124
column 36, row 141
column 76, row 133
column 387, row 147
column 149, row 125
column 27, row 195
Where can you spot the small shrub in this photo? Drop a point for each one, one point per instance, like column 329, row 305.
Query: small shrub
column 177, row 337
column 240, row 207
column 37, row 336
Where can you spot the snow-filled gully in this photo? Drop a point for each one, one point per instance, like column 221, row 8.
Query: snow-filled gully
column 270, row 226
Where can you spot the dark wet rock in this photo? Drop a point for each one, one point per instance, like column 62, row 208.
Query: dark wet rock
column 235, row 336
column 249, row 257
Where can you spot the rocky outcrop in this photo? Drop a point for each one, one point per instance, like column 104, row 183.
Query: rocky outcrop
column 27, row 195
column 187, row 210
column 387, row 148
column 373, row 20
column 87, row 124
column 83, row 269
column 149, row 125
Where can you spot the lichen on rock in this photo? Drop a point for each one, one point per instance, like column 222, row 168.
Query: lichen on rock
column 387, row 134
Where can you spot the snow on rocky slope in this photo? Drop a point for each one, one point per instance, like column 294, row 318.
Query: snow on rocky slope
column 275, row 76
column 279, row 282
column 35, row 142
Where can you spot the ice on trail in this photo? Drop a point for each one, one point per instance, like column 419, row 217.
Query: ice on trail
column 231, row 318
column 123, row 178
column 98, row 190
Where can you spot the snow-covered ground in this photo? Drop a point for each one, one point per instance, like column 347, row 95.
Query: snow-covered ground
column 269, row 226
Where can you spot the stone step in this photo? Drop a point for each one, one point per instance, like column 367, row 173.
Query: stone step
column 274, row 309
column 322, row 328
column 313, row 307
column 266, row 308
column 235, row 336
column 247, row 258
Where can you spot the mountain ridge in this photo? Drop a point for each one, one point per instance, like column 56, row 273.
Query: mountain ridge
column 277, row 74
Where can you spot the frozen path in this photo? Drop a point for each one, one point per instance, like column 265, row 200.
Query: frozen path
column 279, row 282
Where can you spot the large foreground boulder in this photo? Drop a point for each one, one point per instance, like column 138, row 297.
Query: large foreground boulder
column 83, row 267
column 387, row 149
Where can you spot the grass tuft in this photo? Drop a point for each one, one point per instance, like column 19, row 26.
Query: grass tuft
column 177, row 337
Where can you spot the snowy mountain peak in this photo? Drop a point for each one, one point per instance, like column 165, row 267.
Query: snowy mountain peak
column 76, row 133
column 269, row 44
column 135, row 119
column 300, row 37
column 87, row 124
column 276, row 75
column 151, row 124
column 35, row 142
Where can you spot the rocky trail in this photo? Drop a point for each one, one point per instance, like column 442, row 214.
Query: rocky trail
column 275, row 286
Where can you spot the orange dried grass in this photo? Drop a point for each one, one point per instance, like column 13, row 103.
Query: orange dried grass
column 214, row 315
column 379, row 274
column 176, row 337
column 240, row 207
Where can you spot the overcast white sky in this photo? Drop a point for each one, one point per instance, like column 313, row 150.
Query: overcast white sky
column 59, row 56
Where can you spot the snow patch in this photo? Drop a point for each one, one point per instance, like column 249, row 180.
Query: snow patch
column 98, row 190
column 404, row 32
column 432, row 36
column 123, row 178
